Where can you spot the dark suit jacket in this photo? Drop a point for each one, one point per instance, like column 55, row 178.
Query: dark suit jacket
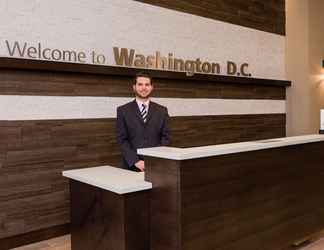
column 133, row 133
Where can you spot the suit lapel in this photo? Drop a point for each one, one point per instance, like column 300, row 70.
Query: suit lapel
column 137, row 112
column 151, row 111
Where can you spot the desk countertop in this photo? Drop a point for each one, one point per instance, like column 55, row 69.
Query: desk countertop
column 113, row 179
column 229, row 148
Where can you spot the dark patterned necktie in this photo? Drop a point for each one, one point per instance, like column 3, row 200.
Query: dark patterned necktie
column 144, row 112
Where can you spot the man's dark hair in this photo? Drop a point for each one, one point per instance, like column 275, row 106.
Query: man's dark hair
column 143, row 74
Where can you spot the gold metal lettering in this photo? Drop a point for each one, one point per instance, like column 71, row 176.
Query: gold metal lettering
column 139, row 61
column 243, row 69
column 231, row 68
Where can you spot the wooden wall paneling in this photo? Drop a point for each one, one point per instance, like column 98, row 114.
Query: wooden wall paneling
column 35, row 236
column 262, row 15
column 37, row 152
column 2, row 157
column 35, row 197
column 209, row 130
column 219, row 90
column 8, row 64
column 71, row 84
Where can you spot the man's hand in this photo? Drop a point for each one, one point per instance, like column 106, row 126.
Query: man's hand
column 140, row 165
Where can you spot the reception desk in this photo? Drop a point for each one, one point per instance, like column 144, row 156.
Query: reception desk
column 109, row 209
column 260, row 195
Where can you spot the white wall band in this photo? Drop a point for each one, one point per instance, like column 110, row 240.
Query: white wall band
column 17, row 107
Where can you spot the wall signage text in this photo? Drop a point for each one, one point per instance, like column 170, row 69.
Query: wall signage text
column 127, row 58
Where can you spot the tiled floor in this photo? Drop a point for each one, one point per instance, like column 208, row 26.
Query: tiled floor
column 59, row 243
column 63, row 243
column 317, row 245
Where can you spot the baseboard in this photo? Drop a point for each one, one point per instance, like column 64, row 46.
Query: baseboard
column 35, row 236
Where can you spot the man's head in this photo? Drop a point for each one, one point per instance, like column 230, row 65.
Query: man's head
column 143, row 85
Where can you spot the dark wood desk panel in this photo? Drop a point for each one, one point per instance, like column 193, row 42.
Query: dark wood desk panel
column 101, row 219
column 265, row 199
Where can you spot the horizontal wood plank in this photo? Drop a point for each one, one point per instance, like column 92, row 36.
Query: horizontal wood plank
column 262, row 15
column 71, row 84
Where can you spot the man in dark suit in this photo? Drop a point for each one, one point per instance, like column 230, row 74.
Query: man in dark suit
column 141, row 123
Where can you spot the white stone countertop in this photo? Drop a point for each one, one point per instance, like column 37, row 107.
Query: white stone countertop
column 117, row 180
column 229, row 148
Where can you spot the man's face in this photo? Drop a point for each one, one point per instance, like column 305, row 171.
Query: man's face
column 143, row 87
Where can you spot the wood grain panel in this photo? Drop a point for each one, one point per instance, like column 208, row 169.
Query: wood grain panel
column 265, row 199
column 165, row 225
column 209, row 130
column 24, row 82
column 34, row 153
column 32, row 237
column 101, row 219
column 35, row 197
column 262, row 15
column 17, row 64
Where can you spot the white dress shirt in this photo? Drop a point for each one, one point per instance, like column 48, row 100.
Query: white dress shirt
column 146, row 103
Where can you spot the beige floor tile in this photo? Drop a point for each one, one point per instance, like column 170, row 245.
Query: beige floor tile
column 317, row 245
column 64, row 243
column 59, row 243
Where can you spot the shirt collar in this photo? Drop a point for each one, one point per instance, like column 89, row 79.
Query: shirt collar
column 139, row 104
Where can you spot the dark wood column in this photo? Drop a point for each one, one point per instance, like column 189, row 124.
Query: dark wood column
column 101, row 219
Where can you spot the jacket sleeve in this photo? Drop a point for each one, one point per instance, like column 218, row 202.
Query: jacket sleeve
column 165, row 131
column 129, row 154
